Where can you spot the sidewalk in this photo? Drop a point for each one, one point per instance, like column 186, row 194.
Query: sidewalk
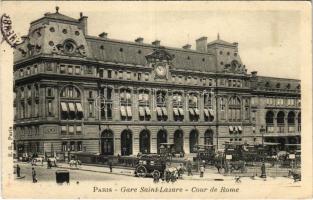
column 100, row 169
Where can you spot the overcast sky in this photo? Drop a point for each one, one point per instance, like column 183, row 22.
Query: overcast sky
column 268, row 39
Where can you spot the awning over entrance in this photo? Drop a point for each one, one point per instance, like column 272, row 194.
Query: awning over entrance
column 159, row 111
column 79, row 107
column 231, row 128
column 206, row 112
column 164, row 111
column 176, row 111
column 141, row 112
column 129, row 111
column 211, row 112
column 71, row 107
column 191, row 111
column 239, row 128
column 123, row 111
column 148, row 112
column 181, row 111
column 64, row 107
column 197, row 112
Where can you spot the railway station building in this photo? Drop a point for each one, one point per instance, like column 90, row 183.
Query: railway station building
column 81, row 93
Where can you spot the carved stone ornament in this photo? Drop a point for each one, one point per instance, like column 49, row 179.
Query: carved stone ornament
column 69, row 47
column 159, row 54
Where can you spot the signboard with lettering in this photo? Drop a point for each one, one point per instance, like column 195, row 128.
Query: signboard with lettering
column 229, row 157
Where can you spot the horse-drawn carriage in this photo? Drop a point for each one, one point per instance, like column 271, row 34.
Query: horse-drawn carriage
column 205, row 153
column 151, row 165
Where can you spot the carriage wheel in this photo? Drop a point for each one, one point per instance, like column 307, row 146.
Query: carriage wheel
column 141, row 171
column 156, row 174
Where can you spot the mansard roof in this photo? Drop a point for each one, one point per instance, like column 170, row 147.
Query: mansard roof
column 117, row 51
column 273, row 83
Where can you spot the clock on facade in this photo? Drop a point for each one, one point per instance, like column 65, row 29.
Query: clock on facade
column 160, row 71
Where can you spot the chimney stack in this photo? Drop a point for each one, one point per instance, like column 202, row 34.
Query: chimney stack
column 201, row 44
column 156, row 42
column 187, row 46
column 139, row 40
column 254, row 73
column 83, row 22
column 103, row 35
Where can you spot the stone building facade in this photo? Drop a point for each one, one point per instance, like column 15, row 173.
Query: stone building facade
column 80, row 93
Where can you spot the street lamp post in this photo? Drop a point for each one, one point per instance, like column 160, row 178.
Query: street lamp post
column 263, row 168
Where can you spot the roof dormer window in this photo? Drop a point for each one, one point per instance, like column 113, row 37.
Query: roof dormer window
column 267, row 84
column 278, row 85
column 77, row 33
column 64, row 31
column 52, row 29
column 69, row 46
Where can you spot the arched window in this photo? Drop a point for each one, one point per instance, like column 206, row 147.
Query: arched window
column 234, row 109
column 280, row 121
column 144, row 142
column 208, row 137
column 107, row 143
column 161, row 138
column 280, row 118
column 179, row 141
column 71, row 106
column 126, row 143
column 269, row 119
column 291, row 118
column 193, row 141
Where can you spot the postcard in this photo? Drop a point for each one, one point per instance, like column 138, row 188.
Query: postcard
column 156, row 100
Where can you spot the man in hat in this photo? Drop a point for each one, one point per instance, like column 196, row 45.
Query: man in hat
column 34, row 175
column 18, row 171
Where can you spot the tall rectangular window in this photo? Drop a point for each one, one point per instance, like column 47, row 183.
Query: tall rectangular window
column 70, row 69
column 78, row 130
column 62, row 69
column 139, row 77
column 79, row 146
column 63, row 130
column 101, row 73
column 35, row 69
column 120, row 74
column 64, row 146
column 77, row 70
column 50, row 108
column 28, row 71
column 90, row 109
column 109, row 73
column 128, row 75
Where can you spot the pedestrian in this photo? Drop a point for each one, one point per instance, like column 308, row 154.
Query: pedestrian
column 18, row 171
column 48, row 163
column 201, row 171
column 189, row 167
column 34, row 175
column 110, row 166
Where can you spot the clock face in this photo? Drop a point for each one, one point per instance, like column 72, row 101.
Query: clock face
column 160, row 70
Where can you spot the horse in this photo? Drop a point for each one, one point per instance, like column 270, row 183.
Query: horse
column 74, row 163
column 295, row 175
column 54, row 161
column 35, row 160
